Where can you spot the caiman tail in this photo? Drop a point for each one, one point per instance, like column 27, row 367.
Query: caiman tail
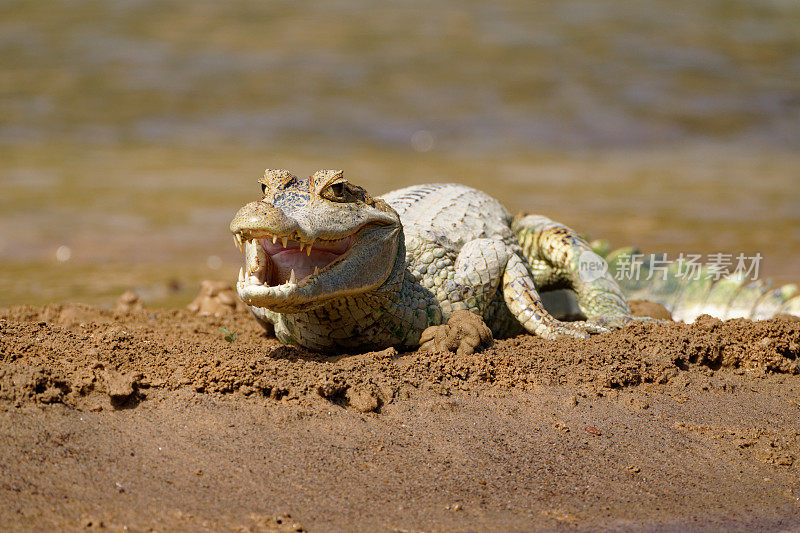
column 690, row 289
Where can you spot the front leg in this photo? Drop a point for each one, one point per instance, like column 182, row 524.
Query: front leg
column 478, row 271
column 465, row 289
column 560, row 257
column 465, row 278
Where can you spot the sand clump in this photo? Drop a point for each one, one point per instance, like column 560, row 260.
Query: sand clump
column 128, row 302
column 216, row 298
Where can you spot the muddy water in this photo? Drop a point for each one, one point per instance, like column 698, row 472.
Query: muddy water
column 130, row 131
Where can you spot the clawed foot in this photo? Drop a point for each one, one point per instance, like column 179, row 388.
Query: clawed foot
column 463, row 333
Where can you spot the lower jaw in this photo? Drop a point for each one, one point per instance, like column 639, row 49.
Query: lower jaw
column 288, row 298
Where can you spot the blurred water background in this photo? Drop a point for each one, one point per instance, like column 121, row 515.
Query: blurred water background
column 131, row 130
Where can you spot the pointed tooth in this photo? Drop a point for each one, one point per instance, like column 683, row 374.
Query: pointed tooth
column 252, row 262
column 291, row 277
column 308, row 251
column 316, row 270
column 241, row 275
column 274, row 239
column 301, row 246
column 285, row 241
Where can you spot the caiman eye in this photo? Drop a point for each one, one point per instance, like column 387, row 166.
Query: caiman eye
column 337, row 192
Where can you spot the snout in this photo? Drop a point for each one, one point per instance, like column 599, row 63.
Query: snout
column 260, row 217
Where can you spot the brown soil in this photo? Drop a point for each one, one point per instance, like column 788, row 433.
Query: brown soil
column 151, row 420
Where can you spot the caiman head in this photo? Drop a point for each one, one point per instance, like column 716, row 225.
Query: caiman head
column 311, row 240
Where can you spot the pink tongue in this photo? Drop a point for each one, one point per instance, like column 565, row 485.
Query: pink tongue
column 302, row 264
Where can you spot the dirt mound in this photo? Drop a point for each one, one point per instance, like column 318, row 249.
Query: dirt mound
column 91, row 358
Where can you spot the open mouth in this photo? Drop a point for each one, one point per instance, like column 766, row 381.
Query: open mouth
column 273, row 260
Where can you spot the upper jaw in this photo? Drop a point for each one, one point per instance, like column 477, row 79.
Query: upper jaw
column 275, row 244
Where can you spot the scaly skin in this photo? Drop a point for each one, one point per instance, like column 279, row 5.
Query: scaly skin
column 388, row 268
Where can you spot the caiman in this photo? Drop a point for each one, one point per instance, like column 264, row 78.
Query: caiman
column 331, row 268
